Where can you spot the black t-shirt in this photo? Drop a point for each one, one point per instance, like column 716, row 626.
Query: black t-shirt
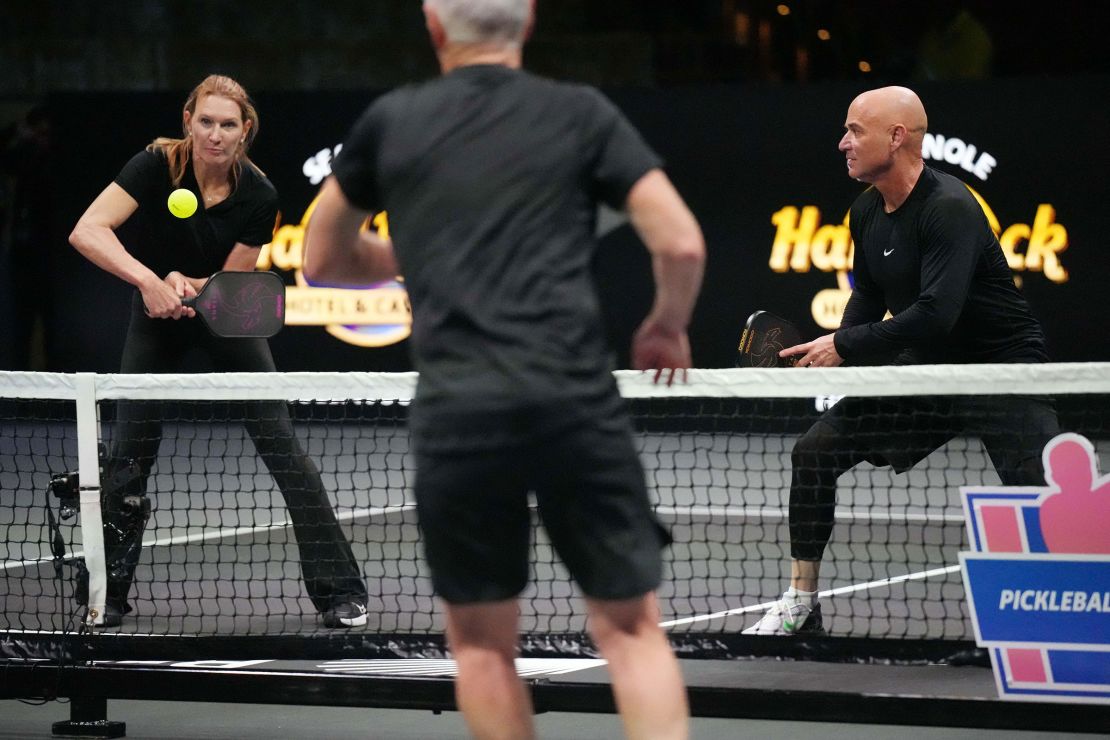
column 935, row 264
column 491, row 178
column 199, row 245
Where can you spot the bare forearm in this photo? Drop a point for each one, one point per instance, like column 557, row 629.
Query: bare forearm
column 376, row 261
column 337, row 251
column 100, row 246
column 678, row 278
column 672, row 236
column 352, row 261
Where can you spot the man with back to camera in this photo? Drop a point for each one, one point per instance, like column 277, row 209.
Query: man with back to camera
column 491, row 178
column 926, row 253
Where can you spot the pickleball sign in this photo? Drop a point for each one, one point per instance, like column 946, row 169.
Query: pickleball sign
column 1038, row 578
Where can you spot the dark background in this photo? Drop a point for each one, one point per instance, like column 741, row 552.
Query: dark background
column 745, row 103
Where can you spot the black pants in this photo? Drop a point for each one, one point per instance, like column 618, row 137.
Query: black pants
column 328, row 566
column 901, row 432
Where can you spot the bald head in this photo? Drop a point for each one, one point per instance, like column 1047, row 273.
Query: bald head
column 883, row 133
column 887, row 107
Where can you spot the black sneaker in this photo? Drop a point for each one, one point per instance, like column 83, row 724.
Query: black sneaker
column 976, row 656
column 112, row 617
column 347, row 614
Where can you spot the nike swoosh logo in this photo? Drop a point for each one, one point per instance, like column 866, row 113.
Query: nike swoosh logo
column 888, row 252
column 788, row 625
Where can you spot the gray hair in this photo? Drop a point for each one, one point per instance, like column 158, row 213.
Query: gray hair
column 482, row 21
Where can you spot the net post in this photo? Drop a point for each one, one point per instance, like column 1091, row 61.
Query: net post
column 88, row 473
column 88, row 717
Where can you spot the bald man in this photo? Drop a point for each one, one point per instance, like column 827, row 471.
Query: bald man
column 925, row 252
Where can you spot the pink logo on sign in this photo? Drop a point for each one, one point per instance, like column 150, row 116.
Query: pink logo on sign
column 1077, row 518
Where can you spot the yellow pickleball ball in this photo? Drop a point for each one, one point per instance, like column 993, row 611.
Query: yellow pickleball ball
column 182, row 203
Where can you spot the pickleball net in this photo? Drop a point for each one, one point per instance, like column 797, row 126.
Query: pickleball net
column 220, row 560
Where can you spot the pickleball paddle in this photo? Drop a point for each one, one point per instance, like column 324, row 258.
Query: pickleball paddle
column 241, row 304
column 764, row 336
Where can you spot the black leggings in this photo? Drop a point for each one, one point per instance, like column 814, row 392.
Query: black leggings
column 900, row 433
column 328, row 566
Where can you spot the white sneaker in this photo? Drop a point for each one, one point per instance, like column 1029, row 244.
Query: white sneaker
column 789, row 616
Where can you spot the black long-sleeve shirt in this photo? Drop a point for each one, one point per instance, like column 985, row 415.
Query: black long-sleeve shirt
column 935, row 264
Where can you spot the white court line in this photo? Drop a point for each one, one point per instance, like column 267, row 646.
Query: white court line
column 741, row 512
column 217, row 534
column 724, row 512
column 282, row 524
column 695, row 511
column 115, row 636
column 14, row 564
column 920, row 575
column 525, row 667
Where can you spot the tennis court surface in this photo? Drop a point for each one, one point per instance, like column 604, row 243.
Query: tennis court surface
column 220, row 611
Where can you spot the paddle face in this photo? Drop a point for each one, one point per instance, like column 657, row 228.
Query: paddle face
column 764, row 335
column 242, row 304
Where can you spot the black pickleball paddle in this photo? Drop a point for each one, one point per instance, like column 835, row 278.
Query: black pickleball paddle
column 764, row 336
column 241, row 304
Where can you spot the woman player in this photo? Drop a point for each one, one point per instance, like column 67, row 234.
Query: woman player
column 168, row 258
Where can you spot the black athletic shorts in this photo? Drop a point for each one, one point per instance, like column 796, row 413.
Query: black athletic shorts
column 588, row 481
column 902, row 431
